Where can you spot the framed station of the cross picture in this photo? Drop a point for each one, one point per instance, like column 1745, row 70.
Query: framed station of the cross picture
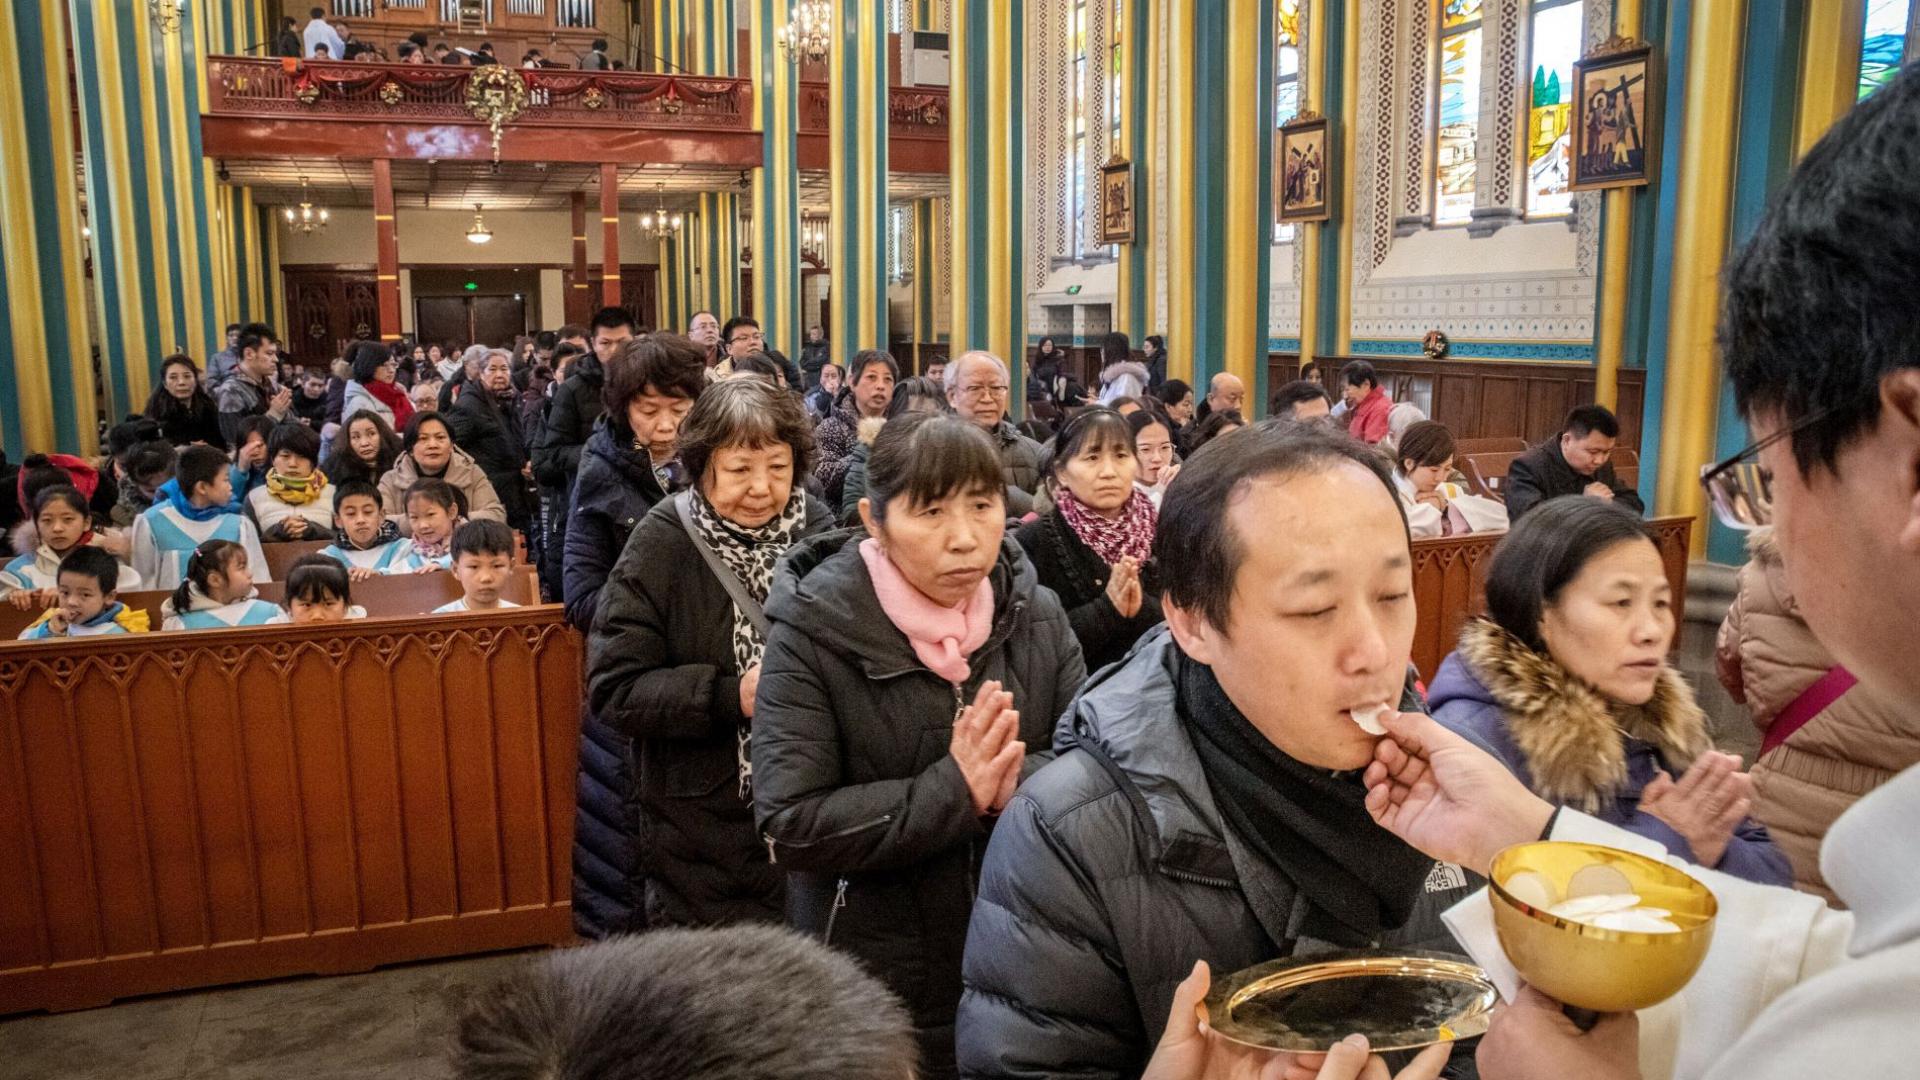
column 1304, row 170
column 1615, row 106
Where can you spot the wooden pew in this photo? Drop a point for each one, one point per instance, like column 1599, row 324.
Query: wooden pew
column 1450, row 584
column 281, row 557
column 1487, row 472
column 389, row 595
column 182, row 810
column 1510, row 444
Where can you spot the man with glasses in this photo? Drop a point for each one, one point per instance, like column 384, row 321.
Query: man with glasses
column 704, row 329
column 1820, row 349
column 979, row 389
column 1576, row 462
column 740, row 338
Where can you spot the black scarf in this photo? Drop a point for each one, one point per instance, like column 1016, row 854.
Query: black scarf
column 1310, row 824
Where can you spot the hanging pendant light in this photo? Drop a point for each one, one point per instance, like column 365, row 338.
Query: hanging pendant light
column 478, row 233
column 808, row 31
column 657, row 224
column 308, row 218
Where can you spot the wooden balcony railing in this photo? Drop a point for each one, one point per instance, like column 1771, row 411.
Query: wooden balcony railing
column 263, row 87
column 913, row 112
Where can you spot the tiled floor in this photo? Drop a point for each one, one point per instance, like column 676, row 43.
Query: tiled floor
column 391, row 1024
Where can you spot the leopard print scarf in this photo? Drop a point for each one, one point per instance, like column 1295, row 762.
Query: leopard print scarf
column 751, row 555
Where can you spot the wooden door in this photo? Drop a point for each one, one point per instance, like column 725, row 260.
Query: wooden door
column 497, row 320
column 639, row 292
column 441, row 318
column 469, row 320
column 327, row 310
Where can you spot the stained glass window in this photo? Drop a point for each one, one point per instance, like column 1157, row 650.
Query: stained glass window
column 1555, row 44
column 1884, row 46
column 1286, row 93
column 1077, row 135
column 1455, row 157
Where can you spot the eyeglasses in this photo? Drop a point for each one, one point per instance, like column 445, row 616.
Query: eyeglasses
column 739, row 339
column 1741, row 489
column 996, row 390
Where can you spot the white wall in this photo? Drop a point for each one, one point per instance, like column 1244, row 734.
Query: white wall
column 439, row 237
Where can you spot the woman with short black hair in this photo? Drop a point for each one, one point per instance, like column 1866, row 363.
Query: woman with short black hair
column 372, row 388
column 1566, row 681
column 913, row 672
column 428, row 451
column 674, row 657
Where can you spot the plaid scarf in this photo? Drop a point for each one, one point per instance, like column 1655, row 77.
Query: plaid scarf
column 296, row 490
column 1112, row 539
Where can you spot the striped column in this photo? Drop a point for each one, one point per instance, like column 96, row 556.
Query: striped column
column 776, row 184
column 986, row 147
column 1183, row 177
column 669, row 37
column 46, row 377
column 927, row 240
column 1131, row 314
column 669, row 284
column 715, row 239
column 857, row 75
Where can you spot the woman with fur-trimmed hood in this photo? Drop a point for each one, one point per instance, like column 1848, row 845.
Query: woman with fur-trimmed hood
column 1566, row 682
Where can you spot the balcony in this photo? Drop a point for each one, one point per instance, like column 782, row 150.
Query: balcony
column 917, row 124
column 264, row 106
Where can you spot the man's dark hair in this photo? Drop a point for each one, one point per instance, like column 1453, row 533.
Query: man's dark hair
column 1173, row 391
column 1359, row 373
column 418, row 37
column 546, row 339
column 668, row 363
column 735, row 323
column 317, row 13
column 1817, row 310
column 925, row 457
column 745, row 412
column 96, row 563
column 295, row 438
column 1546, row 549
column 1588, row 419
column 1115, row 347
column 599, row 44
column 713, row 1004
column 255, row 334
column 609, row 318
column 759, row 363
column 483, row 537
column 570, row 330
column 131, row 432
column 199, row 465
column 234, row 327
column 1196, row 548
column 1297, row 392
column 350, row 488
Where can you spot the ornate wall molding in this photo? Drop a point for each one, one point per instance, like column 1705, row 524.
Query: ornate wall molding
column 1598, row 27
column 1099, row 141
column 1049, row 101
column 1416, row 45
column 1497, row 196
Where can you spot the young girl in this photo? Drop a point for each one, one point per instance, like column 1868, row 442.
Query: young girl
column 217, row 593
column 365, row 542
column 318, row 591
column 63, row 523
column 433, row 516
column 295, row 503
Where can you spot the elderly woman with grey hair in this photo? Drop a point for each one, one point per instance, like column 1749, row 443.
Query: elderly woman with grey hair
column 486, row 424
column 673, row 661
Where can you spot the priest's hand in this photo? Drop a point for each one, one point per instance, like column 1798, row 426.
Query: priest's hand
column 1532, row 1039
column 1446, row 796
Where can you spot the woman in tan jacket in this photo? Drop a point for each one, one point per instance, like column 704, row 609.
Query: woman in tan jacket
column 1828, row 742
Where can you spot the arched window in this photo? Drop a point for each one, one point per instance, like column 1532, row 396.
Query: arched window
column 1884, row 45
column 1286, row 89
column 1553, row 43
column 1077, row 135
column 1458, row 130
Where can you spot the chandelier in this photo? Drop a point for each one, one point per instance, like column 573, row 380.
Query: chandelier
column 309, row 217
column 657, row 224
column 478, row 233
column 813, row 238
column 808, row 32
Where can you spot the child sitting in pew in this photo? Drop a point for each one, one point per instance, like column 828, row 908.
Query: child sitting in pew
column 218, row 591
column 87, row 605
column 434, row 515
column 62, row 524
column 295, row 502
column 483, row 563
column 249, row 467
column 192, row 509
column 319, row 591
column 365, row 540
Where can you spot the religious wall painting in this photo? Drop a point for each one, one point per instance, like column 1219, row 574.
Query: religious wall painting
column 1304, row 169
column 1116, row 201
column 1615, row 103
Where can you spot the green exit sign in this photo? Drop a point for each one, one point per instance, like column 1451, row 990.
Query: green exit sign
column 1073, row 290
column 471, row 286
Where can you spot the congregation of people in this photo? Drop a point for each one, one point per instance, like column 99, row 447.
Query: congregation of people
column 1014, row 719
column 329, row 37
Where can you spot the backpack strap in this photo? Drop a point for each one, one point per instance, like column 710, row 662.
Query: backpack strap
column 1811, row 703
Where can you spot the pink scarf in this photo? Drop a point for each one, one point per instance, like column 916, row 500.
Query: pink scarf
column 1112, row 539
column 942, row 637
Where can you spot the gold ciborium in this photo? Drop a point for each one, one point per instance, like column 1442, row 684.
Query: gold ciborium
column 1582, row 965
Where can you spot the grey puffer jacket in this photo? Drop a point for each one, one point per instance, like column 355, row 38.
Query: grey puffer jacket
column 1110, row 873
column 854, row 789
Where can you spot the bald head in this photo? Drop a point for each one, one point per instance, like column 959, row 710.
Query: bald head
column 1226, row 391
column 978, row 388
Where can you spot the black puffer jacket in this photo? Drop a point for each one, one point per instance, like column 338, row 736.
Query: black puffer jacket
column 559, row 448
column 661, row 672
column 1079, row 578
column 489, row 430
column 1110, row 873
column 855, row 790
column 615, row 488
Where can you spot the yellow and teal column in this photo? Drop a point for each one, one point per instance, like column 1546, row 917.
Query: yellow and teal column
column 46, row 374
column 668, row 37
column 1131, row 314
column 927, row 240
column 776, row 184
column 715, row 235
column 857, row 168
column 986, row 148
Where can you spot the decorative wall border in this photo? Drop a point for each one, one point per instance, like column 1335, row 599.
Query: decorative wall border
column 1571, row 351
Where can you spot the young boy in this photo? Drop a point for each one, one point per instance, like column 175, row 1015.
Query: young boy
column 483, row 562
column 364, row 541
column 88, row 605
column 188, row 510
column 295, row 503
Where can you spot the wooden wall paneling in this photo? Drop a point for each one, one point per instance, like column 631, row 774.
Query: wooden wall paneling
column 1502, row 405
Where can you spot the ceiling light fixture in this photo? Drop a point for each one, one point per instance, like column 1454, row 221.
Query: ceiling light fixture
column 308, row 217
column 478, row 233
column 808, row 32
column 657, row 224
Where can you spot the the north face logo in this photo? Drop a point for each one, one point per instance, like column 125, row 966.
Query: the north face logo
column 1445, row 877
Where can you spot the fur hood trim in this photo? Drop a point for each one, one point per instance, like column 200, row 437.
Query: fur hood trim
column 1568, row 732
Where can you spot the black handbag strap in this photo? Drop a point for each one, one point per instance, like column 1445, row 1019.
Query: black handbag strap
column 743, row 600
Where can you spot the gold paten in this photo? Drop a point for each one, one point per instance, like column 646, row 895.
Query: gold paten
column 1399, row 1001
